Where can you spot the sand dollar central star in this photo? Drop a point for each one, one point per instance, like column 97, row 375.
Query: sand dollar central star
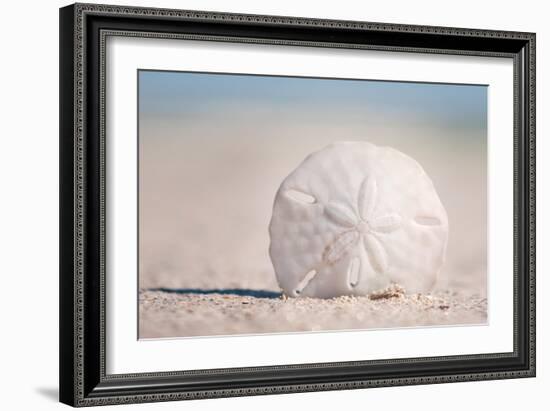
column 362, row 226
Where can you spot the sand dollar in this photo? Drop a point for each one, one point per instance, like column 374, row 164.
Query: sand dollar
column 354, row 218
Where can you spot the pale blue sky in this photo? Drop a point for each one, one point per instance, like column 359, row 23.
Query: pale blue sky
column 185, row 95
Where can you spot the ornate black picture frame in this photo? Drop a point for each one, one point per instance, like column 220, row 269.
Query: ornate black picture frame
column 83, row 30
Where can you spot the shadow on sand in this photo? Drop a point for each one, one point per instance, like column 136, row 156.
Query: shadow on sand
column 243, row 292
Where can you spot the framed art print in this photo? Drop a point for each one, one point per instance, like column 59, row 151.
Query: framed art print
column 262, row 204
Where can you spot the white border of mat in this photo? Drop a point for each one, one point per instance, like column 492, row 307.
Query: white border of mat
column 125, row 354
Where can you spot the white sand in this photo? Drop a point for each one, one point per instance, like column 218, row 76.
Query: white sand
column 173, row 314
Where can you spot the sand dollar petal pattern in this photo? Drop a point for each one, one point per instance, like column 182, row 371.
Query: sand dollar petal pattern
column 367, row 197
column 386, row 223
column 340, row 214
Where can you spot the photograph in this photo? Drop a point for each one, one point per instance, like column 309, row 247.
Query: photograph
column 285, row 204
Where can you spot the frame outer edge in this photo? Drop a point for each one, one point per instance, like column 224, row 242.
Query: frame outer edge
column 235, row 17
column 79, row 152
column 532, row 201
column 66, row 200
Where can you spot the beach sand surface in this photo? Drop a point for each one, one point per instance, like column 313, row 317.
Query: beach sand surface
column 205, row 201
column 172, row 313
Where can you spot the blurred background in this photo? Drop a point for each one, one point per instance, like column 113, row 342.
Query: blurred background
column 214, row 148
